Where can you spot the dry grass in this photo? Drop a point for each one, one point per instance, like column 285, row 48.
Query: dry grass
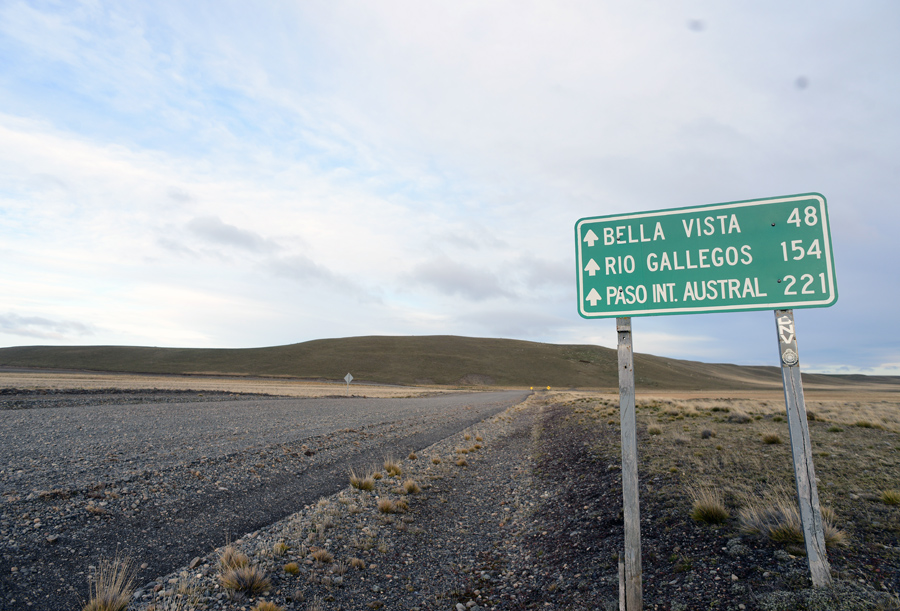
column 411, row 487
column 412, row 456
column 111, row 586
column 231, row 558
column 291, row 568
column 247, row 579
column 322, row 556
column 339, row 568
column 290, row 388
column 771, row 438
column 357, row 563
column 359, row 482
column 436, row 460
column 385, row 505
column 777, row 518
column 707, row 506
column 462, row 462
column 890, row 497
column 265, row 605
column 654, row 430
column 392, row 467
column 280, row 549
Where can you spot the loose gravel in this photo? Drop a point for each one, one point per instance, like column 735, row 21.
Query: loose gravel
column 165, row 476
column 521, row 509
column 532, row 520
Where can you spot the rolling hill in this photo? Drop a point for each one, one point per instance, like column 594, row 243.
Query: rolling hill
column 443, row 359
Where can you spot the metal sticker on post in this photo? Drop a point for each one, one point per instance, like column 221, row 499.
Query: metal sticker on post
column 762, row 254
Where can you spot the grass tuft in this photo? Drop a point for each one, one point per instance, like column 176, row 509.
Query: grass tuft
column 411, row 487
column 112, row 586
column 249, row 579
column 436, row 460
column 357, row 563
column 231, row 558
column 291, row 568
column 771, row 438
column 868, row 424
column 890, row 497
column 392, row 467
column 654, row 430
column 778, row 519
column 412, row 456
column 265, row 605
column 323, row 556
column 708, row 506
column 462, row 462
column 362, row 482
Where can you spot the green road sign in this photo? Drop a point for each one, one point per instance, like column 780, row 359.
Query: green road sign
column 762, row 254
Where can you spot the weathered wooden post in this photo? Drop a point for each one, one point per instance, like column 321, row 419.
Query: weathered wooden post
column 630, row 501
column 807, row 494
column 759, row 254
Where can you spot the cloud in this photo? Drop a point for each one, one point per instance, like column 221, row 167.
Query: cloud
column 301, row 268
column 452, row 278
column 179, row 195
column 212, row 229
column 541, row 273
column 882, row 369
column 516, row 323
column 42, row 328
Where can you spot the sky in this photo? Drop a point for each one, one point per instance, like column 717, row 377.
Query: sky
column 233, row 174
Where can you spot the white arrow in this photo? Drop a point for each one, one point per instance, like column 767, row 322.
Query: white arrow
column 592, row 268
column 593, row 297
column 590, row 237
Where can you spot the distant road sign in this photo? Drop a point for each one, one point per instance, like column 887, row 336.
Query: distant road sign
column 762, row 254
column 348, row 378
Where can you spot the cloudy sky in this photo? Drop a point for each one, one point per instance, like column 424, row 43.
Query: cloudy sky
column 234, row 174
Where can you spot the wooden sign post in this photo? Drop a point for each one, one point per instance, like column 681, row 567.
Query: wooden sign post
column 630, row 502
column 762, row 254
column 807, row 494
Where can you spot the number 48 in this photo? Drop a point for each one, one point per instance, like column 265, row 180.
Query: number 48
column 810, row 217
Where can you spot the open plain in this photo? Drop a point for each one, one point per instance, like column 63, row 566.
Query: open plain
column 166, row 474
column 515, row 505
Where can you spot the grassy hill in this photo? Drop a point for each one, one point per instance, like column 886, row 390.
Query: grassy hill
column 442, row 359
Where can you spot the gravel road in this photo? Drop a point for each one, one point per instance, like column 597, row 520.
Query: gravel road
column 167, row 476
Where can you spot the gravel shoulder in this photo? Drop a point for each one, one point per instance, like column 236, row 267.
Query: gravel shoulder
column 166, row 476
column 531, row 520
column 521, row 509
